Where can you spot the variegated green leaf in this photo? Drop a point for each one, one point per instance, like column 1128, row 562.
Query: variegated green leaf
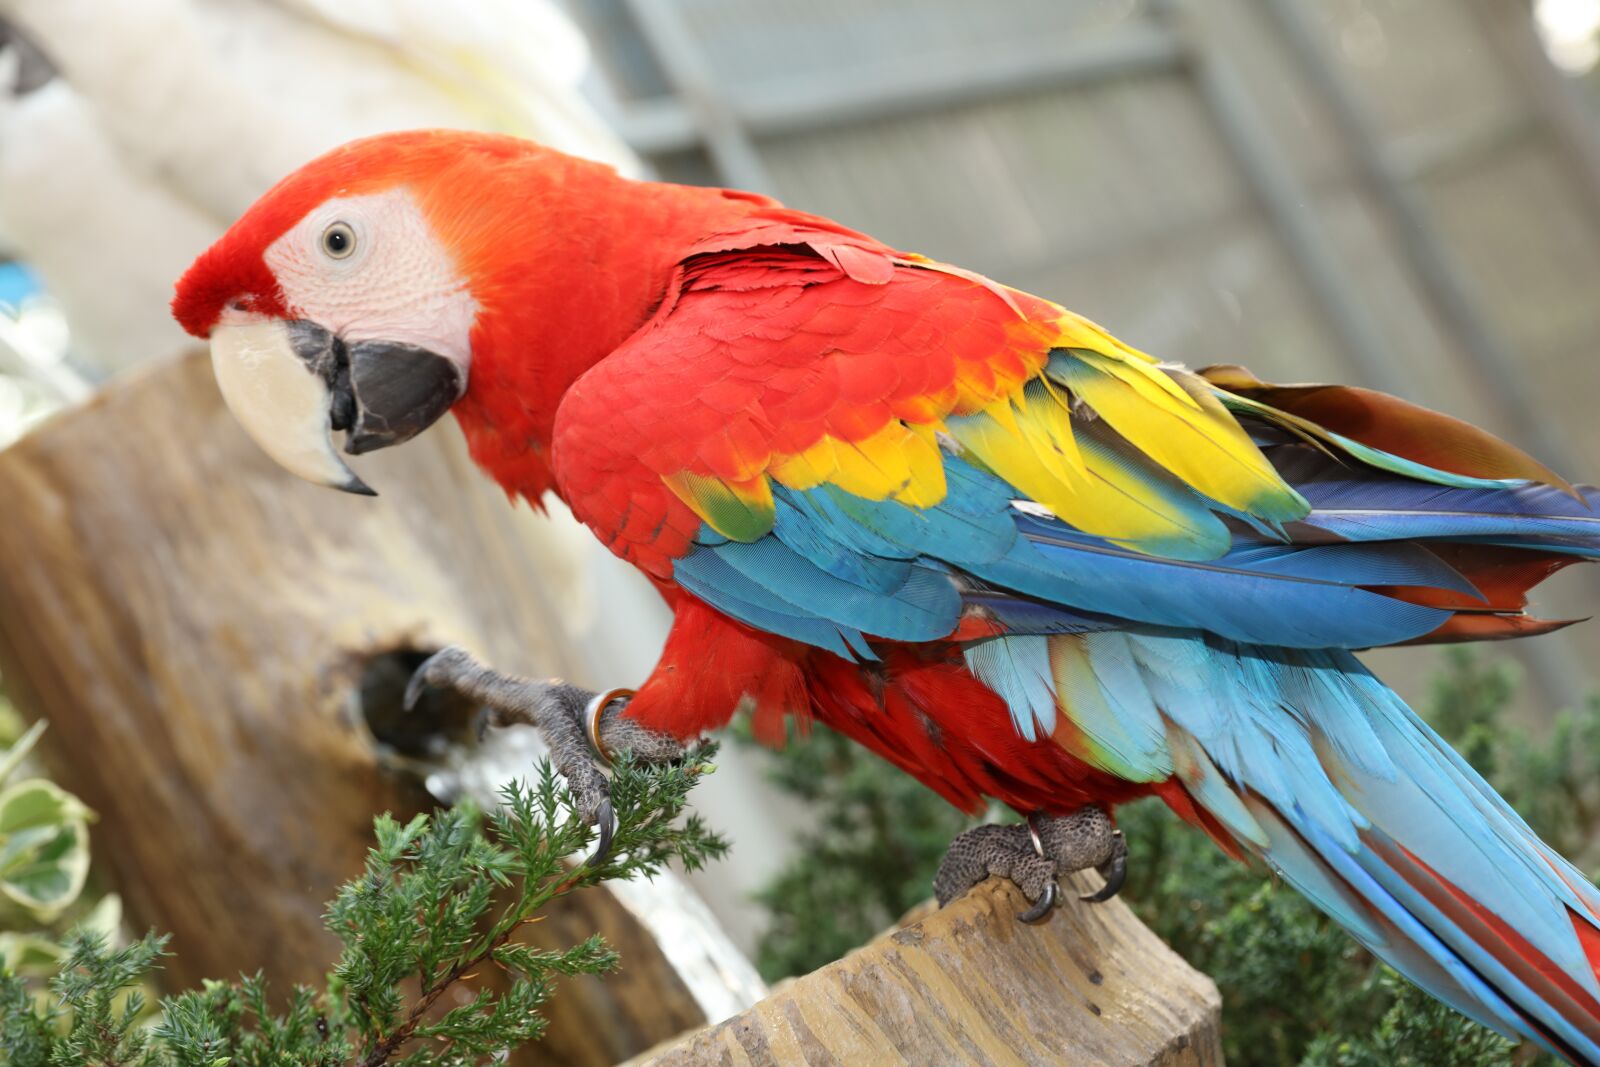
column 44, row 847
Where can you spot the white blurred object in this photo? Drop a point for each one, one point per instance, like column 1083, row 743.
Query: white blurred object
column 106, row 239
column 33, row 345
column 35, row 378
column 176, row 114
column 1570, row 32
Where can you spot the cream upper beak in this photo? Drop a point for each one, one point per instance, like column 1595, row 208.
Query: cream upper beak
column 281, row 401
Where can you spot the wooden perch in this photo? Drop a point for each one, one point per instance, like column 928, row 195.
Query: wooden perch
column 201, row 629
column 969, row 985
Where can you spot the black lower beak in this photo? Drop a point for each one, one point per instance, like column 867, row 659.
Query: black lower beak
column 382, row 392
column 399, row 390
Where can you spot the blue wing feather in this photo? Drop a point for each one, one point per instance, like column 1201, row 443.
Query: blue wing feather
column 705, row 574
column 1361, row 505
column 1059, row 564
column 1018, row 669
column 883, row 569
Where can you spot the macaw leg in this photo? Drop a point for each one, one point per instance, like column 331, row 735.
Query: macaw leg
column 559, row 712
column 1033, row 854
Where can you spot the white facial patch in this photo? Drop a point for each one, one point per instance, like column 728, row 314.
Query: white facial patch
column 386, row 278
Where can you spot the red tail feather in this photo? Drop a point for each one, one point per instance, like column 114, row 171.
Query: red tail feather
column 1504, row 576
column 1541, row 974
column 1178, row 799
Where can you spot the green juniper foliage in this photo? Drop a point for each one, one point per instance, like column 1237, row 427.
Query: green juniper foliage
column 1296, row 989
column 442, row 897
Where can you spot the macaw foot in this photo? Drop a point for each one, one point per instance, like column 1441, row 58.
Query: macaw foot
column 578, row 726
column 1033, row 854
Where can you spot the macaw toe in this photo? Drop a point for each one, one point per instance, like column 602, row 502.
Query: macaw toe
column 557, row 711
column 1032, row 854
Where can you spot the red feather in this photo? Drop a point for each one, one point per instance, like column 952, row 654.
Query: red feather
column 1509, row 948
column 1504, row 576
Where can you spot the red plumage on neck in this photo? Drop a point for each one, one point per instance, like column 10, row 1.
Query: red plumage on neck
column 556, row 298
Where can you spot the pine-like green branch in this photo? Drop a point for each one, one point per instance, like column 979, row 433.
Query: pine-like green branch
column 441, row 898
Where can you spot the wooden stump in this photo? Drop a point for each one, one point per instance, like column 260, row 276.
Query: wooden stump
column 968, row 985
column 196, row 626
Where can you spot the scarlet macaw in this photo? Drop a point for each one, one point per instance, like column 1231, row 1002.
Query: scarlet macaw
column 952, row 520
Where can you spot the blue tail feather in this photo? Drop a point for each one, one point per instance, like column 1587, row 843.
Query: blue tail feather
column 1326, row 775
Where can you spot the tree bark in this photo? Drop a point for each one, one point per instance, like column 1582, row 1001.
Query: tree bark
column 197, row 625
column 969, row 985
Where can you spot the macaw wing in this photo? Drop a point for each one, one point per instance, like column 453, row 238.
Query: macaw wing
column 840, row 443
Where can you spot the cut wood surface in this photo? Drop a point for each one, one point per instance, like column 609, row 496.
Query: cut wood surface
column 195, row 625
column 968, row 985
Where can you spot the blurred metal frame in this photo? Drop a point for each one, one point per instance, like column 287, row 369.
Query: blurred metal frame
column 1431, row 263
column 892, row 89
column 1509, row 27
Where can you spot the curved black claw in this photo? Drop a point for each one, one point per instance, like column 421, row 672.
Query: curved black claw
column 418, row 683
column 1042, row 908
column 1031, row 855
column 606, row 819
column 1115, row 872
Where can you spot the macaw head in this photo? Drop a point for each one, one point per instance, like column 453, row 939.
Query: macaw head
column 352, row 295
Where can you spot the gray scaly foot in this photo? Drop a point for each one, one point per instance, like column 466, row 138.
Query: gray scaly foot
column 562, row 714
column 1033, row 854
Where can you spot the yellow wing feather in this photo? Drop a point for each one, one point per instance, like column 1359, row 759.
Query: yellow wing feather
column 1112, row 442
column 1194, row 437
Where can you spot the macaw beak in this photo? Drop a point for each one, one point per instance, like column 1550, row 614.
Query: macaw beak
column 291, row 383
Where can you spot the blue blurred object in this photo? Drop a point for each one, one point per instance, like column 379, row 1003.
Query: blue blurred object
column 17, row 283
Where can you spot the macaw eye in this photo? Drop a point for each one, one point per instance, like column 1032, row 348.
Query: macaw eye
column 339, row 240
